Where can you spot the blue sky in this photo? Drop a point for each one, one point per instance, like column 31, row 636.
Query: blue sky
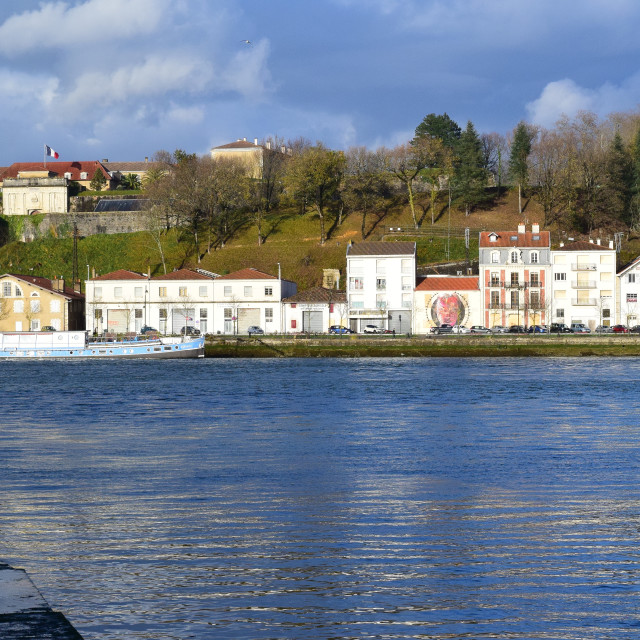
column 122, row 79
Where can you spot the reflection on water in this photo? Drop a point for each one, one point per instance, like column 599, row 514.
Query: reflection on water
column 326, row 498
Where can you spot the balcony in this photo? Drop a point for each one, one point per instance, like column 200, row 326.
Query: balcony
column 585, row 284
column 586, row 302
column 584, row 267
column 516, row 285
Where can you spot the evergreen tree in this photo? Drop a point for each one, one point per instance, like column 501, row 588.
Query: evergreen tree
column 619, row 179
column 634, row 207
column 98, row 181
column 442, row 127
column 520, row 149
column 470, row 177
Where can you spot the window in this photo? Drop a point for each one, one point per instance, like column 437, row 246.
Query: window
column 248, row 292
column 117, row 292
column 406, row 300
column 97, row 314
column 35, row 306
column 534, row 257
column 514, row 257
column 203, row 292
column 406, row 265
column 162, row 314
column 6, row 289
column 67, row 175
column 18, row 292
column 381, row 302
column 381, row 284
column 137, row 292
column 559, row 313
column 356, row 267
column 138, row 313
column 407, row 283
column 356, row 284
column 515, row 279
column 495, row 257
column 35, row 325
column 631, row 278
column 203, row 313
column 162, row 292
column 559, row 276
column 227, row 291
column 495, row 279
column 182, row 292
column 606, row 313
column 381, row 266
column 357, row 302
column 534, row 299
column 228, row 314
column 294, row 324
column 495, row 299
column 55, row 323
column 203, row 320
column 515, row 299
column 83, row 175
column 534, row 279
column 268, row 315
column 54, row 306
column 632, row 297
column 268, row 291
column 97, row 292
column 18, row 306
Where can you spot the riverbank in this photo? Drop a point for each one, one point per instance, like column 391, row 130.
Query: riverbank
column 383, row 346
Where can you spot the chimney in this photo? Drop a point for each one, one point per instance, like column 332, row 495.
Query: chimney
column 521, row 228
column 535, row 228
column 598, row 242
column 561, row 245
column 77, row 286
column 58, row 284
column 104, row 160
column 244, row 139
column 590, row 240
column 255, row 141
column 610, row 244
column 146, row 158
column 268, row 144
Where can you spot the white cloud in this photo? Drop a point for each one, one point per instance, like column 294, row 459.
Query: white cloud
column 565, row 97
column 22, row 89
column 60, row 25
column 247, row 72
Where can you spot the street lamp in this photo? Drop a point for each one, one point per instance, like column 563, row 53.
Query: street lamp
column 146, row 291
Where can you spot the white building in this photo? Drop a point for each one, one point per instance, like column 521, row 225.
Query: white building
column 249, row 297
column 584, row 284
column 453, row 300
column 315, row 310
column 125, row 301
column 627, row 292
column 381, row 277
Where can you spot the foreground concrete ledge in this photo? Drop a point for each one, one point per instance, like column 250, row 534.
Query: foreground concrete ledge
column 25, row 614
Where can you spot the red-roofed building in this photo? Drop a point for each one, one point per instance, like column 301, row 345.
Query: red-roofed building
column 453, row 300
column 514, row 276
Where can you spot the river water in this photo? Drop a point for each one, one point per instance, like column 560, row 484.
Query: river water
column 369, row 498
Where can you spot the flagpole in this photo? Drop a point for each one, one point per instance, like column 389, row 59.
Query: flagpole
column 44, row 155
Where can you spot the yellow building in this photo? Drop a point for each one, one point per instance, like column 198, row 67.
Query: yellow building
column 248, row 154
column 34, row 303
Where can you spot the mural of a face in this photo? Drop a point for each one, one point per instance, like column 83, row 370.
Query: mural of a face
column 447, row 308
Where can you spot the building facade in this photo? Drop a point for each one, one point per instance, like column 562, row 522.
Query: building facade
column 314, row 310
column 514, row 269
column 30, row 303
column 453, row 300
column 584, row 284
column 381, row 278
column 627, row 292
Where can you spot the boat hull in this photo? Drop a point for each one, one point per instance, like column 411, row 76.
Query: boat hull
column 73, row 345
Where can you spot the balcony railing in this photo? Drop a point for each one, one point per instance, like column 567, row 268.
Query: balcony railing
column 584, row 302
column 584, row 267
column 587, row 284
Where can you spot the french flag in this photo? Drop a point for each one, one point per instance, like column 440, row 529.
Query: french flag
column 51, row 152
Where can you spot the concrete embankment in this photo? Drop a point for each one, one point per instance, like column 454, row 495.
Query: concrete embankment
column 24, row 613
column 359, row 346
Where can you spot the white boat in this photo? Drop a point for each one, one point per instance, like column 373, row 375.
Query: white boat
column 77, row 344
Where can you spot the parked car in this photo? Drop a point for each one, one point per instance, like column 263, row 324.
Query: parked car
column 460, row 328
column 516, row 328
column 536, row 328
column 604, row 329
column 255, row 330
column 48, row 328
column 579, row 327
column 635, row 329
column 559, row 327
column 477, row 328
column 336, row 328
column 190, row 331
column 372, row 328
column 147, row 330
column 498, row 328
column 444, row 328
column 619, row 328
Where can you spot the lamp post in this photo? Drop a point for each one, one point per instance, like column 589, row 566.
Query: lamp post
column 146, row 292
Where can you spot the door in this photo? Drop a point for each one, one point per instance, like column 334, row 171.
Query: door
column 118, row 320
column 312, row 321
column 181, row 318
column 248, row 318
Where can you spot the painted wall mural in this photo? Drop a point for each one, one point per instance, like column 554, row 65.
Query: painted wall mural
column 447, row 308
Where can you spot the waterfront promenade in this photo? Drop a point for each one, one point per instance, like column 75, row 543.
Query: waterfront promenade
column 24, row 613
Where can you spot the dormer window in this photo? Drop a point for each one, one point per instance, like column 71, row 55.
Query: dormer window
column 67, row 175
column 493, row 237
column 83, row 175
column 514, row 257
column 495, row 257
column 534, row 257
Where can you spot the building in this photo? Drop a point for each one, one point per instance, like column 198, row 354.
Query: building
column 453, row 300
column 381, row 278
column 514, row 269
column 627, row 290
column 117, row 170
column 314, row 310
column 251, row 155
column 584, row 284
column 30, row 303
column 125, row 301
column 249, row 297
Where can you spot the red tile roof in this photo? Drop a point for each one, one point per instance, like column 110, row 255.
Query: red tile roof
column 239, row 144
column 514, row 239
column 318, row 294
column 121, row 274
column 58, row 169
column 247, row 274
column 45, row 283
column 451, row 283
column 581, row 245
column 182, row 274
column 382, row 249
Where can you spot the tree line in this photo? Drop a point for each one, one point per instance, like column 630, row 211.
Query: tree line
column 585, row 173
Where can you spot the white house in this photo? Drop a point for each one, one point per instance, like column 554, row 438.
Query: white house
column 584, row 284
column 627, row 292
column 314, row 310
column 381, row 277
column 249, row 297
column 447, row 300
column 124, row 301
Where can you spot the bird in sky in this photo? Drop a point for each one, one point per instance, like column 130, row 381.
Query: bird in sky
column 247, row 42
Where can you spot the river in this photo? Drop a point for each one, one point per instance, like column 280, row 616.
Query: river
column 318, row 498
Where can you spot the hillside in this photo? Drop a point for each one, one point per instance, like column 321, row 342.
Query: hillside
column 292, row 241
